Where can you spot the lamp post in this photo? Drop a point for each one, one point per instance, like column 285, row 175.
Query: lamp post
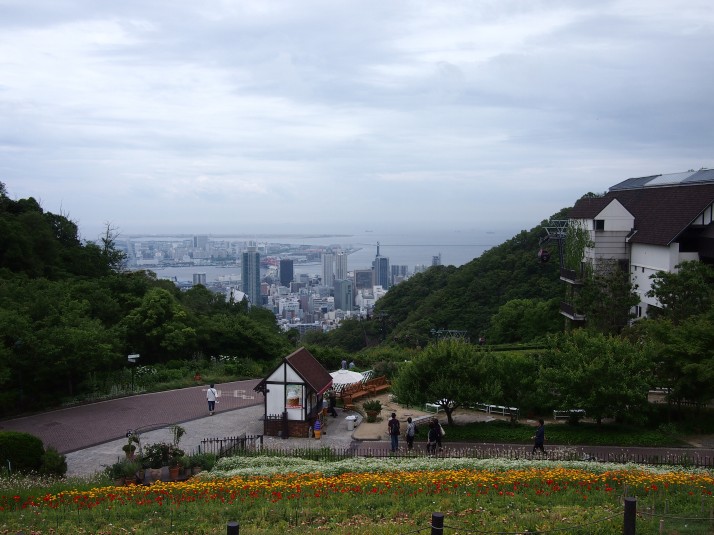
column 132, row 360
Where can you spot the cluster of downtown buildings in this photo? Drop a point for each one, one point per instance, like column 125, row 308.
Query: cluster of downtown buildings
column 268, row 276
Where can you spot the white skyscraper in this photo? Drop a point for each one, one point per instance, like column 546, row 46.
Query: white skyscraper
column 341, row 265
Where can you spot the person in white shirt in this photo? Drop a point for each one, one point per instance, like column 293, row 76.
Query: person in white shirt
column 211, row 396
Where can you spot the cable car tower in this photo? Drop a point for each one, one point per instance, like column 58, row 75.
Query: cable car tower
column 555, row 231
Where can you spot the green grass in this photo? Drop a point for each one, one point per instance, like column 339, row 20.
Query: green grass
column 499, row 431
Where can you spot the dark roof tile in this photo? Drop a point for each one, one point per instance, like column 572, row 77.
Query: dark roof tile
column 661, row 214
column 308, row 368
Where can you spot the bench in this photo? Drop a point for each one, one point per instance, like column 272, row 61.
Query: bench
column 570, row 413
column 352, row 393
column 432, row 407
column 505, row 411
column 362, row 389
column 377, row 385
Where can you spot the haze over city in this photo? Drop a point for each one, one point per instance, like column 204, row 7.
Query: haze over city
column 254, row 117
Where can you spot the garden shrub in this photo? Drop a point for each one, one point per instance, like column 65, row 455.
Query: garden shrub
column 22, row 451
column 53, row 463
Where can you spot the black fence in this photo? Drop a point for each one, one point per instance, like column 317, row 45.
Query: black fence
column 230, row 446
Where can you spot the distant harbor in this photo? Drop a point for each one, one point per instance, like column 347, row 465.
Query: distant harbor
column 409, row 249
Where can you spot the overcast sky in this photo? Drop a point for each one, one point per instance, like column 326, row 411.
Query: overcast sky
column 257, row 116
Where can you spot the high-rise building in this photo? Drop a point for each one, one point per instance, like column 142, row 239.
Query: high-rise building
column 344, row 295
column 380, row 265
column 328, row 269
column 436, row 260
column 364, row 279
column 200, row 242
column 250, row 272
column 286, row 272
column 341, row 265
column 199, row 278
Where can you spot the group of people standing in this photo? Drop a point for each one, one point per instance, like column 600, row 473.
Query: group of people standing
column 436, row 432
column 433, row 435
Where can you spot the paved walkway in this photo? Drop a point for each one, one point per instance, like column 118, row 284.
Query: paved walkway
column 83, row 426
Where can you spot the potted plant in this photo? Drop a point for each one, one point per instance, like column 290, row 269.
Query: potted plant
column 202, row 461
column 123, row 471
column 130, row 447
column 174, row 469
column 372, row 407
column 160, row 454
column 177, row 432
column 184, row 463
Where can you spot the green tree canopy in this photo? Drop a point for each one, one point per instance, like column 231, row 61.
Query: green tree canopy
column 604, row 375
column 447, row 372
column 525, row 320
column 607, row 298
column 685, row 293
column 684, row 356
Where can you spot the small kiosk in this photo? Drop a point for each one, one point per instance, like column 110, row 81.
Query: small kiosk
column 293, row 394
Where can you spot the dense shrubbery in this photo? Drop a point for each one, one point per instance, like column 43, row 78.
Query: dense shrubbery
column 21, row 452
column 53, row 463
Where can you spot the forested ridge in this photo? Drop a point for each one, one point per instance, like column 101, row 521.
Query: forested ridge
column 467, row 298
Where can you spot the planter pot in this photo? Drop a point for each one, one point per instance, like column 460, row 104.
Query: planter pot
column 119, row 481
column 155, row 474
column 372, row 416
column 196, row 470
column 174, row 473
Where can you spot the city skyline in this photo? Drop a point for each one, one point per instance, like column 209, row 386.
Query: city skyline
column 276, row 117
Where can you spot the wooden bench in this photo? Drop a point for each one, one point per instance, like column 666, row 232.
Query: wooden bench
column 377, row 385
column 352, row 393
column 362, row 389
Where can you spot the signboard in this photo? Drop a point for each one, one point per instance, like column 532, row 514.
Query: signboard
column 293, row 396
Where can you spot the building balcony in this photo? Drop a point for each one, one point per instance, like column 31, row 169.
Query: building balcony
column 568, row 310
column 570, row 276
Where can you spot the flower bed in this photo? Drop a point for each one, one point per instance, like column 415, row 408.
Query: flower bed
column 270, row 494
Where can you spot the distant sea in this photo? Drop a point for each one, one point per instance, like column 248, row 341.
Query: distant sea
column 402, row 248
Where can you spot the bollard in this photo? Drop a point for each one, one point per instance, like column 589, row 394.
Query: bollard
column 437, row 523
column 628, row 527
column 233, row 528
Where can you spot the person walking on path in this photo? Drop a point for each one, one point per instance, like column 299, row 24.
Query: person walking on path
column 333, row 403
column 211, row 396
column 439, row 434
column 539, row 438
column 411, row 431
column 432, row 437
column 393, row 429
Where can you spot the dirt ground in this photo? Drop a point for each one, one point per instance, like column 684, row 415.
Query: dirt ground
column 378, row 429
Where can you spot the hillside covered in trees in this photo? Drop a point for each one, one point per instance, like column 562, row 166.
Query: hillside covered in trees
column 506, row 295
